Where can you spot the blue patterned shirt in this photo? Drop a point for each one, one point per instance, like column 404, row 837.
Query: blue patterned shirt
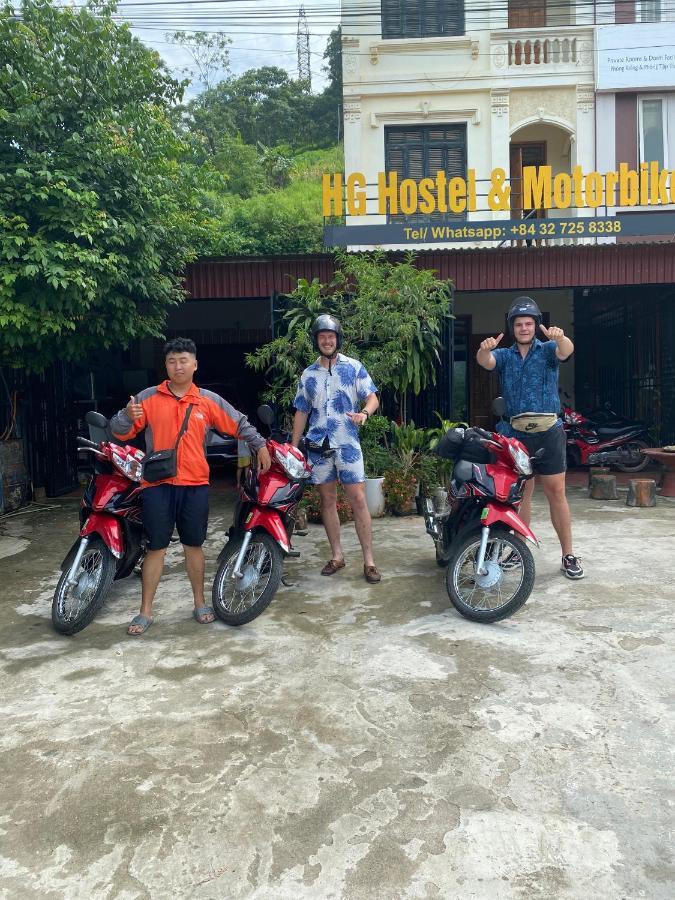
column 530, row 383
column 326, row 398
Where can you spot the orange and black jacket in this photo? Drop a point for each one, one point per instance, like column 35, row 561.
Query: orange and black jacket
column 163, row 415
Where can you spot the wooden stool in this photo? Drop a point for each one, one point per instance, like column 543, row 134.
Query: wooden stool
column 641, row 492
column 597, row 470
column 603, row 487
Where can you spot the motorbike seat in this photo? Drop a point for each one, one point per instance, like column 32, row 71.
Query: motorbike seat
column 462, row 470
column 615, row 431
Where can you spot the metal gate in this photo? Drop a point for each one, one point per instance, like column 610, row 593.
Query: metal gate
column 624, row 354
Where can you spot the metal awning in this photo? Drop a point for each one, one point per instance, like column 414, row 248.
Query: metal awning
column 498, row 269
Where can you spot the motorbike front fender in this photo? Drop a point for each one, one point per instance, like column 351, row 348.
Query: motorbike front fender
column 108, row 529
column 269, row 521
column 494, row 512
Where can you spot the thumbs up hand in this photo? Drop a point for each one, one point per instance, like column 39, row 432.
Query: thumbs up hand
column 491, row 343
column 553, row 333
column 134, row 409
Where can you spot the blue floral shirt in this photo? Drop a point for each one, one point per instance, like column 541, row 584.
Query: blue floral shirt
column 327, row 397
column 530, row 383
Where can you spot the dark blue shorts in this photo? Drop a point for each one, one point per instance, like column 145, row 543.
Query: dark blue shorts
column 166, row 506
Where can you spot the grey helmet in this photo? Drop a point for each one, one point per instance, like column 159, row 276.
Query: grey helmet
column 523, row 306
column 326, row 322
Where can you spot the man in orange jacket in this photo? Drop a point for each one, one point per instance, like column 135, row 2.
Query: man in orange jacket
column 182, row 501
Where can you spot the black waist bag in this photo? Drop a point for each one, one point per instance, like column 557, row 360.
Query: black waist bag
column 162, row 464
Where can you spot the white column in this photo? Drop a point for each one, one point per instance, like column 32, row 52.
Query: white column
column 500, row 139
column 585, row 138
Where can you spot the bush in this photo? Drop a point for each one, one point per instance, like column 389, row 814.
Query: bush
column 399, row 491
column 376, row 454
column 311, row 503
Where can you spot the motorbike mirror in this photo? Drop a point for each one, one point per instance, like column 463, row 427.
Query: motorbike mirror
column 265, row 414
column 498, row 406
column 96, row 419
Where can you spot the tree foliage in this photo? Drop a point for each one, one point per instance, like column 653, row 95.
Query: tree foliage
column 98, row 215
column 392, row 314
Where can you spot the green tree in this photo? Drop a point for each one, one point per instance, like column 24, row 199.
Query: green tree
column 98, row 217
column 392, row 314
column 209, row 54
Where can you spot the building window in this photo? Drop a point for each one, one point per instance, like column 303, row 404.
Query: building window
column 652, row 128
column 650, row 11
column 421, row 152
column 422, row 18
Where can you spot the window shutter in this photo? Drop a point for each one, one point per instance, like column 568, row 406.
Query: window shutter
column 392, row 19
column 422, row 18
column 423, row 151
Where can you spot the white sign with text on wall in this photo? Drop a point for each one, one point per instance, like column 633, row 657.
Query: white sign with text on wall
column 635, row 57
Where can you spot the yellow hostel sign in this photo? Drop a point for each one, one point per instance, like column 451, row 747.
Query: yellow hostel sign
column 649, row 185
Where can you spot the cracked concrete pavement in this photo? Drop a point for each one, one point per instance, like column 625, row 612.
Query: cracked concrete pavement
column 355, row 741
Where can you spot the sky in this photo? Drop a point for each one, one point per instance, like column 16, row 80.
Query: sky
column 263, row 32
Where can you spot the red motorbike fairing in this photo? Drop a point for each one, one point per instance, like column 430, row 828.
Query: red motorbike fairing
column 109, row 529
column 270, row 521
column 108, row 488
column 495, row 512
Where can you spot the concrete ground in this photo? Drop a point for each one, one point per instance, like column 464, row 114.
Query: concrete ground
column 355, row 741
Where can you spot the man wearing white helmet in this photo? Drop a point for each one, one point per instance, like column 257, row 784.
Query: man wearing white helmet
column 528, row 371
column 337, row 395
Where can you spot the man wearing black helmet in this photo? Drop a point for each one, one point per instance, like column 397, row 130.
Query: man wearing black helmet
column 528, row 371
column 337, row 395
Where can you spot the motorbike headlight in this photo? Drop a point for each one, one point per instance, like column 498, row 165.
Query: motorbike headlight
column 292, row 466
column 130, row 466
column 521, row 460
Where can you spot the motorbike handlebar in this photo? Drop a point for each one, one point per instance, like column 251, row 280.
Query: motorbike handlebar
column 84, row 442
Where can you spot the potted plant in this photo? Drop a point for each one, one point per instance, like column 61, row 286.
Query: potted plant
column 376, row 459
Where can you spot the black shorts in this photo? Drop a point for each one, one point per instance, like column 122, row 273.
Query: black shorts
column 166, row 506
column 554, row 442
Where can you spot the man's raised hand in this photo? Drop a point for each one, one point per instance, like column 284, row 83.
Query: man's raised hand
column 491, row 343
column 134, row 409
column 553, row 333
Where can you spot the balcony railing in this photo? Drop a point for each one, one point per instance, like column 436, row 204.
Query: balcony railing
column 525, row 50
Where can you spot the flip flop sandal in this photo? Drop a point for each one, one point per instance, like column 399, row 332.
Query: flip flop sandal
column 200, row 611
column 143, row 621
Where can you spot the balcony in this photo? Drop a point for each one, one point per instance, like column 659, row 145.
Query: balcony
column 532, row 51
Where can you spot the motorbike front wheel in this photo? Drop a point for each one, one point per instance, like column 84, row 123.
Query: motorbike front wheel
column 505, row 585
column 74, row 606
column 240, row 600
column 635, row 447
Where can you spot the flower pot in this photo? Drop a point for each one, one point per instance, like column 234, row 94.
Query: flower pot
column 375, row 497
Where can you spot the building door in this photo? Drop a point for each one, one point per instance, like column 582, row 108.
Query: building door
column 483, row 387
column 531, row 153
column 527, row 13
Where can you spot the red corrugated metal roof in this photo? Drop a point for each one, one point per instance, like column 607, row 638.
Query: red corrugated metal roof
column 519, row 268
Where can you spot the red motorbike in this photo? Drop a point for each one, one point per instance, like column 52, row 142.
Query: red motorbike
column 250, row 565
column 111, row 541
column 613, row 442
column 478, row 533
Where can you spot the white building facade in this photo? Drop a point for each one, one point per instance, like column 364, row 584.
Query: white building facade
column 454, row 85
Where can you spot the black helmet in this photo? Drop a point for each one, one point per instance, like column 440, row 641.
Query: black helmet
column 523, row 306
column 326, row 322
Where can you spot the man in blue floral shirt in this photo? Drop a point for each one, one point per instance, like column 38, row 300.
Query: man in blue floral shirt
column 337, row 395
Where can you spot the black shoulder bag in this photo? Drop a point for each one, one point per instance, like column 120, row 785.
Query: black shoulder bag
column 162, row 464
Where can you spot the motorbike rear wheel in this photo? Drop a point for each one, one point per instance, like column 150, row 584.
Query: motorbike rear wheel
column 74, row 606
column 503, row 589
column 636, row 446
column 238, row 601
